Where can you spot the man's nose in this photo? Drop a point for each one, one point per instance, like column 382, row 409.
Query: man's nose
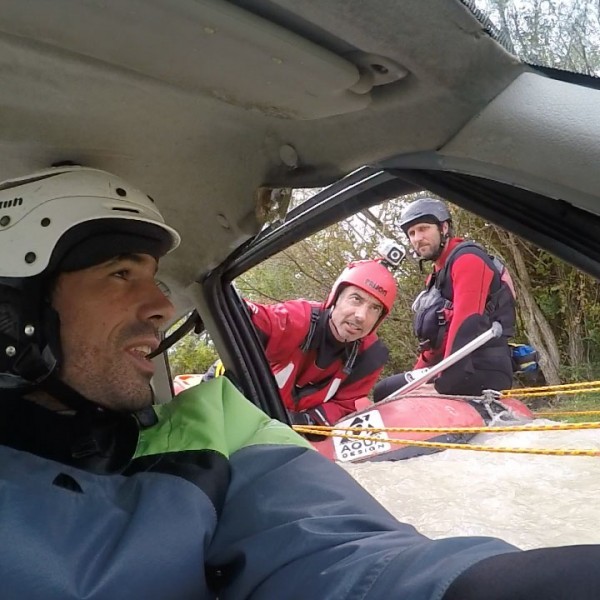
column 360, row 313
column 155, row 306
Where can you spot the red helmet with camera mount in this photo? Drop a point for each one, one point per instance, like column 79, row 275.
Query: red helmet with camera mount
column 370, row 276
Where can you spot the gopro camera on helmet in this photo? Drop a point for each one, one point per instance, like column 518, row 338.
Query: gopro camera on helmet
column 391, row 252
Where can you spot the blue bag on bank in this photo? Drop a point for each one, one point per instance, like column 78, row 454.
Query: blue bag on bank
column 524, row 358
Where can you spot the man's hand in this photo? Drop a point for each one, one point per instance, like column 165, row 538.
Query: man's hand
column 301, row 418
column 410, row 376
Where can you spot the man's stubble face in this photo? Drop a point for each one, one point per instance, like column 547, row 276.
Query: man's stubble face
column 110, row 315
column 354, row 314
column 426, row 239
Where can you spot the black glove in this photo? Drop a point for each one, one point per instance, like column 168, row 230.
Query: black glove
column 559, row 573
column 307, row 418
column 301, row 418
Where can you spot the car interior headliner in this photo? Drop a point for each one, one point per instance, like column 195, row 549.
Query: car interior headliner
column 200, row 103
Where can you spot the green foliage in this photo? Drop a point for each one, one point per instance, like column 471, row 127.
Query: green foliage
column 564, row 34
column 574, row 403
column 192, row 354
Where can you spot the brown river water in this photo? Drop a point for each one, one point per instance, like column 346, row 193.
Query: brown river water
column 529, row 500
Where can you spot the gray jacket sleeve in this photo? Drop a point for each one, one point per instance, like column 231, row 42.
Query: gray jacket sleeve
column 296, row 526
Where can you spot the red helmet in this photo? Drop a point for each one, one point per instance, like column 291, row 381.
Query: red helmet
column 370, row 276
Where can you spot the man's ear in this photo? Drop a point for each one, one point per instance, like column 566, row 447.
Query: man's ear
column 445, row 228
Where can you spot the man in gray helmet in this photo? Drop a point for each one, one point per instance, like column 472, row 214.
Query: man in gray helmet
column 106, row 496
column 467, row 291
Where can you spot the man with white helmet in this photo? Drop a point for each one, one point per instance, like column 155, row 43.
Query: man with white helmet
column 326, row 355
column 49, row 232
column 105, row 496
column 467, row 291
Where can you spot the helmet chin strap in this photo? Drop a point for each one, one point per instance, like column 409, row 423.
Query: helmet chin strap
column 441, row 246
column 193, row 322
column 103, row 438
column 351, row 356
column 63, row 392
column 332, row 324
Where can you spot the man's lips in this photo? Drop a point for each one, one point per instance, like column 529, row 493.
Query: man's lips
column 140, row 351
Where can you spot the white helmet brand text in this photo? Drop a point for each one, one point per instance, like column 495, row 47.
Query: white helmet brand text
column 13, row 202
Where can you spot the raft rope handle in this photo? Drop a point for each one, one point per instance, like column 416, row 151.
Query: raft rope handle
column 448, row 446
column 567, row 388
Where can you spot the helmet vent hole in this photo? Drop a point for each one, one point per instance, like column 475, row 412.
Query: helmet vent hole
column 4, row 221
column 380, row 69
column 128, row 210
column 45, row 222
column 121, row 192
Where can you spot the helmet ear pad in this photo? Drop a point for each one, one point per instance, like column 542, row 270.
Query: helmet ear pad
column 449, row 229
column 51, row 323
column 444, row 235
column 29, row 332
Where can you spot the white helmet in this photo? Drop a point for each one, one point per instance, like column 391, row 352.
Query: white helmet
column 63, row 218
column 39, row 210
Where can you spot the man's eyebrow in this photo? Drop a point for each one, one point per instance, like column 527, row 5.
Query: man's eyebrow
column 365, row 297
column 356, row 295
column 131, row 257
column 373, row 301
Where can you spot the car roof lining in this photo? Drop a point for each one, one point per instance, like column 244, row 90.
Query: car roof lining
column 108, row 85
column 258, row 94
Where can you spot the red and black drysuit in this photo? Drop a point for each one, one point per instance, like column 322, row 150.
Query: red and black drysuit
column 463, row 296
column 314, row 371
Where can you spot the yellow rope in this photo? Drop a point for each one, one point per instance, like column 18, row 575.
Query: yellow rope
column 564, row 388
column 580, row 384
column 569, row 413
column 443, row 446
column 520, row 394
column 337, row 431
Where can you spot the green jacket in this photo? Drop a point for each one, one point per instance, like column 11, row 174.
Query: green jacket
column 217, row 499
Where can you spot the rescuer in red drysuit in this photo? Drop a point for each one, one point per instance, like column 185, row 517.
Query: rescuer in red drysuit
column 467, row 291
column 325, row 356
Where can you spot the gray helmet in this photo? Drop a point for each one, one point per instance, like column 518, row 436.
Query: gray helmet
column 424, row 210
column 61, row 219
